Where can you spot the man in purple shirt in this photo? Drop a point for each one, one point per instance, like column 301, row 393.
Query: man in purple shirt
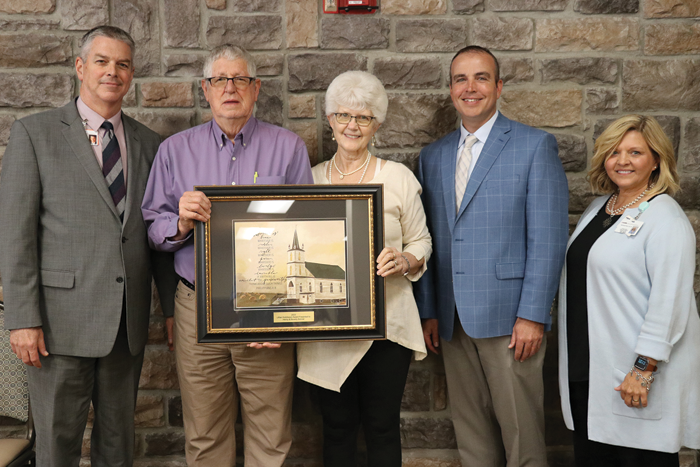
column 233, row 149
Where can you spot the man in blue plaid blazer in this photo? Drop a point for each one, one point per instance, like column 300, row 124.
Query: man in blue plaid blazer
column 496, row 199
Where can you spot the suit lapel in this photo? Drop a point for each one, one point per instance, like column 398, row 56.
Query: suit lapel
column 75, row 136
column 133, row 148
column 495, row 143
column 448, row 166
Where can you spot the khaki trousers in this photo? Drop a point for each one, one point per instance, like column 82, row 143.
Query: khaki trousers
column 211, row 378
column 497, row 403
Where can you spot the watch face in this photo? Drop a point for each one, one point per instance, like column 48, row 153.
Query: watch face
column 641, row 363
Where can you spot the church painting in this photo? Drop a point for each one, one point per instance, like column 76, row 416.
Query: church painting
column 290, row 263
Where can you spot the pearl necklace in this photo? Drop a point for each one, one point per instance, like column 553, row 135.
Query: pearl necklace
column 616, row 212
column 343, row 174
column 366, row 164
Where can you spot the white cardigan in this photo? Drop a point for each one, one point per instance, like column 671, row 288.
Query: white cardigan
column 328, row 364
column 640, row 301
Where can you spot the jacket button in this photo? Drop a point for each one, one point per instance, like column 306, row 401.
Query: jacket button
column 124, row 239
column 120, row 279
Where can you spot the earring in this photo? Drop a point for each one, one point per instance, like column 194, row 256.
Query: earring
column 374, row 140
column 332, row 137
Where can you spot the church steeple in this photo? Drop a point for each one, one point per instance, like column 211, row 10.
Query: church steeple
column 295, row 242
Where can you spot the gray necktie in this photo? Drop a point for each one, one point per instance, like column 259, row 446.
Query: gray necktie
column 462, row 173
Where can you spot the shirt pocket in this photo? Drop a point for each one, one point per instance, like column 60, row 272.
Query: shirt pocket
column 271, row 180
column 653, row 410
column 510, row 270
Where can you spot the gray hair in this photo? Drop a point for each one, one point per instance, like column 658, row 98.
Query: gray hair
column 357, row 90
column 111, row 32
column 229, row 52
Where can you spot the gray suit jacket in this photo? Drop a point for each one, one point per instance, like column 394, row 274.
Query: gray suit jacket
column 66, row 261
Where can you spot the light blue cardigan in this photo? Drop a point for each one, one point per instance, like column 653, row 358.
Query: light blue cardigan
column 640, row 301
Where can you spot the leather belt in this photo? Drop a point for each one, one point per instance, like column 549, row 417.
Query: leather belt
column 187, row 284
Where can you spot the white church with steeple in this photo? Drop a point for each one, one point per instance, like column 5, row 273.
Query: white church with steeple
column 312, row 283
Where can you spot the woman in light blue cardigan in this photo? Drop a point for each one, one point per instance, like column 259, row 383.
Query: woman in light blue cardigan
column 629, row 332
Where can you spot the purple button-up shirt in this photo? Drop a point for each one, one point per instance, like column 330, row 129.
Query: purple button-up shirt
column 203, row 155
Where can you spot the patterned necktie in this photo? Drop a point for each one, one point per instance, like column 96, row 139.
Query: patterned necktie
column 112, row 168
column 462, row 173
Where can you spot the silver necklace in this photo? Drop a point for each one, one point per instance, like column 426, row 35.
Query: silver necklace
column 616, row 212
column 366, row 165
column 344, row 174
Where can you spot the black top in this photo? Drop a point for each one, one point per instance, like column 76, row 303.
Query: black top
column 576, row 300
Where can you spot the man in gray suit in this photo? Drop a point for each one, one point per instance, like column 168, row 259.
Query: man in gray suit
column 74, row 257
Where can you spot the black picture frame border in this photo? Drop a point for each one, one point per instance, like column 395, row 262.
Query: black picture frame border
column 372, row 192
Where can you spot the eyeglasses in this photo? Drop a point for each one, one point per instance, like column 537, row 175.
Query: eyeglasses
column 362, row 120
column 220, row 82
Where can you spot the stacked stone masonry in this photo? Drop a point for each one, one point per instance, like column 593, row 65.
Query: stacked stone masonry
column 569, row 67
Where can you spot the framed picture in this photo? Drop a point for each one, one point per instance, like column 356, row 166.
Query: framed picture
column 290, row 263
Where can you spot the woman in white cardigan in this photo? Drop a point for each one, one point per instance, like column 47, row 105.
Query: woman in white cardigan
column 629, row 332
column 362, row 382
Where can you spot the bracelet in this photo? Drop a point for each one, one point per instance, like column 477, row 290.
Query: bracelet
column 646, row 382
column 408, row 263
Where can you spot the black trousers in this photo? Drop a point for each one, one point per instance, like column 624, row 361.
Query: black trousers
column 589, row 453
column 371, row 397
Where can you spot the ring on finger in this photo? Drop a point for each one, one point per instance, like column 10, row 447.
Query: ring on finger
column 396, row 265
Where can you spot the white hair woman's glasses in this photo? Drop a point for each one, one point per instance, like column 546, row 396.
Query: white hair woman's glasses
column 361, row 120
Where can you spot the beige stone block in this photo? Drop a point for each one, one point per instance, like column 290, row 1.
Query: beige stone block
column 580, row 195
column 555, row 108
column 691, row 156
column 416, row 119
column 6, row 122
column 161, row 94
column 259, row 32
column 256, row 6
column 314, row 72
column 408, row 72
column 581, row 70
column 130, row 97
column 431, row 35
column 528, row 5
column 216, row 4
column 269, row 64
column 149, row 411
column 414, row 7
column 29, row 24
column 672, row 39
column 181, row 24
column 156, row 331
column 661, row 85
column 354, row 32
column 580, row 34
column 140, row 19
column 467, row 7
column 158, row 370
column 22, row 90
column 302, row 106
column 671, row 8
column 602, row 101
column 183, row 65
column 416, row 394
column 430, row 462
column 27, row 6
column 503, row 33
column 165, row 123
column 33, row 50
column 516, row 70
column 83, row 15
column 427, row 433
column 439, row 392
column 308, row 131
column 302, row 17
column 572, row 152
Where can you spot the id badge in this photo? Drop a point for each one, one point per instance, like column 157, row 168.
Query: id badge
column 94, row 137
column 629, row 226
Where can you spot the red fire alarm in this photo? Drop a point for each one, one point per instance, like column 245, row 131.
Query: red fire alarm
column 350, row 7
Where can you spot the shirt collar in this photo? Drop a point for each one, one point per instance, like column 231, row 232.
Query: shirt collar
column 244, row 136
column 481, row 134
column 95, row 120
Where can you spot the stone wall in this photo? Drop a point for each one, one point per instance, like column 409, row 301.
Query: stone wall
column 570, row 67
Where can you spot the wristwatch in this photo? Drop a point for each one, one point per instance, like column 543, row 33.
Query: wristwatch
column 642, row 364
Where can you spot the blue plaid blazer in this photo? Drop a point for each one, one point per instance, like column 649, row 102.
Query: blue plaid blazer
column 500, row 256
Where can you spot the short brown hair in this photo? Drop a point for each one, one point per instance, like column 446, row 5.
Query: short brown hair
column 477, row 49
column 664, row 178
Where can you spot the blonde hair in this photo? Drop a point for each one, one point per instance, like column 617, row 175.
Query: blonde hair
column 664, row 178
